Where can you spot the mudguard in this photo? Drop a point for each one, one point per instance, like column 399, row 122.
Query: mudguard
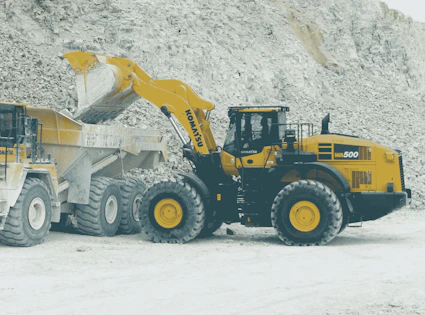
column 199, row 186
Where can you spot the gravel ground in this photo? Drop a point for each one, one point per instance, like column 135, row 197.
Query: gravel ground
column 376, row 269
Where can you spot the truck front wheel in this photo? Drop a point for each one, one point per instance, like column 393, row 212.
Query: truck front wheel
column 29, row 221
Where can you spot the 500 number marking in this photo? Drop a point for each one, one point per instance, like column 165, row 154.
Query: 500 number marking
column 347, row 155
column 351, row 155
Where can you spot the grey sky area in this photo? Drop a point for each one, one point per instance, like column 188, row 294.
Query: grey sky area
column 413, row 8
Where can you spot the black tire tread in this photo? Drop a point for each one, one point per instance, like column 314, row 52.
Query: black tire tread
column 13, row 234
column 186, row 191
column 126, row 189
column 88, row 220
column 333, row 204
column 345, row 221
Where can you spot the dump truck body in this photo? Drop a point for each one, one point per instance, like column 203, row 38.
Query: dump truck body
column 66, row 155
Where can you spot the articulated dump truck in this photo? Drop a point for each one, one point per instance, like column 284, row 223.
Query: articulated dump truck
column 52, row 166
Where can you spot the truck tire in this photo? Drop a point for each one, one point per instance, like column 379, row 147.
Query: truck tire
column 209, row 228
column 102, row 216
column 172, row 212
column 29, row 221
column 132, row 191
column 306, row 213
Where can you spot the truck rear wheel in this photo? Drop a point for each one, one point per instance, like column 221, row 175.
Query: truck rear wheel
column 102, row 216
column 29, row 221
column 306, row 213
column 132, row 192
column 172, row 212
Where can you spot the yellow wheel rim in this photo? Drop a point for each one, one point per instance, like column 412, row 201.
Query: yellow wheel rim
column 304, row 216
column 168, row 213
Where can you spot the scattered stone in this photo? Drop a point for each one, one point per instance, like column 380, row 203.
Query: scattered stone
column 83, row 249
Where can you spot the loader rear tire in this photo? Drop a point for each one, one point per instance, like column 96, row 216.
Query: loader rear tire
column 102, row 216
column 132, row 191
column 29, row 221
column 306, row 213
column 172, row 212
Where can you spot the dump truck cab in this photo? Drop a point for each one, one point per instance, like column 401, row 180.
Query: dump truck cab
column 28, row 177
column 9, row 118
column 19, row 132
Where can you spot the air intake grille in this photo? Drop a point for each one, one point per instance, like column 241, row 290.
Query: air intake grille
column 361, row 178
column 400, row 161
column 365, row 153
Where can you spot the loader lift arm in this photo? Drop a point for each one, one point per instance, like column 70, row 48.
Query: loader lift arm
column 106, row 86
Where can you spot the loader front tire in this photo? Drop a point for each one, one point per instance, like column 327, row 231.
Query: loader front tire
column 172, row 212
column 132, row 191
column 29, row 220
column 306, row 213
column 102, row 216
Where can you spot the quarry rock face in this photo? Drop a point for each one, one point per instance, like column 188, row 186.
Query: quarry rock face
column 356, row 59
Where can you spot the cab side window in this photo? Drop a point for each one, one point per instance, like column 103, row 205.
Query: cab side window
column 255, row 132
column 249, row 133
column 7, row 130
column 230, row 143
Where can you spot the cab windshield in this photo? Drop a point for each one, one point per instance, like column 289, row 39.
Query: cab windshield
column 249, row 133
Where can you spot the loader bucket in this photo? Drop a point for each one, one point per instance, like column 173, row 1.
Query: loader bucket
column 104, row 86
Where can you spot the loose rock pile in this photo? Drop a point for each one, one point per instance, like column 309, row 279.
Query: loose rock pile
column 358, row 60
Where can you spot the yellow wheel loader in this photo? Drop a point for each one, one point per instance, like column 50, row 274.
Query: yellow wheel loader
column 268, row 172
column 52, row 167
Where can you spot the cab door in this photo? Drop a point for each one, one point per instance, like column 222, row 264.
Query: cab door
column 249, row 141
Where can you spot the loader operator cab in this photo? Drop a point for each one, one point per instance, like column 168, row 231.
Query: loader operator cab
column 253, row 128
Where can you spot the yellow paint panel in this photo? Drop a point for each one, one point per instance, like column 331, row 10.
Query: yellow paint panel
column 266, row 158
column 383, row 170
column 51, row 168
column 14, row 104
column 228, row 163
column 371, row 174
